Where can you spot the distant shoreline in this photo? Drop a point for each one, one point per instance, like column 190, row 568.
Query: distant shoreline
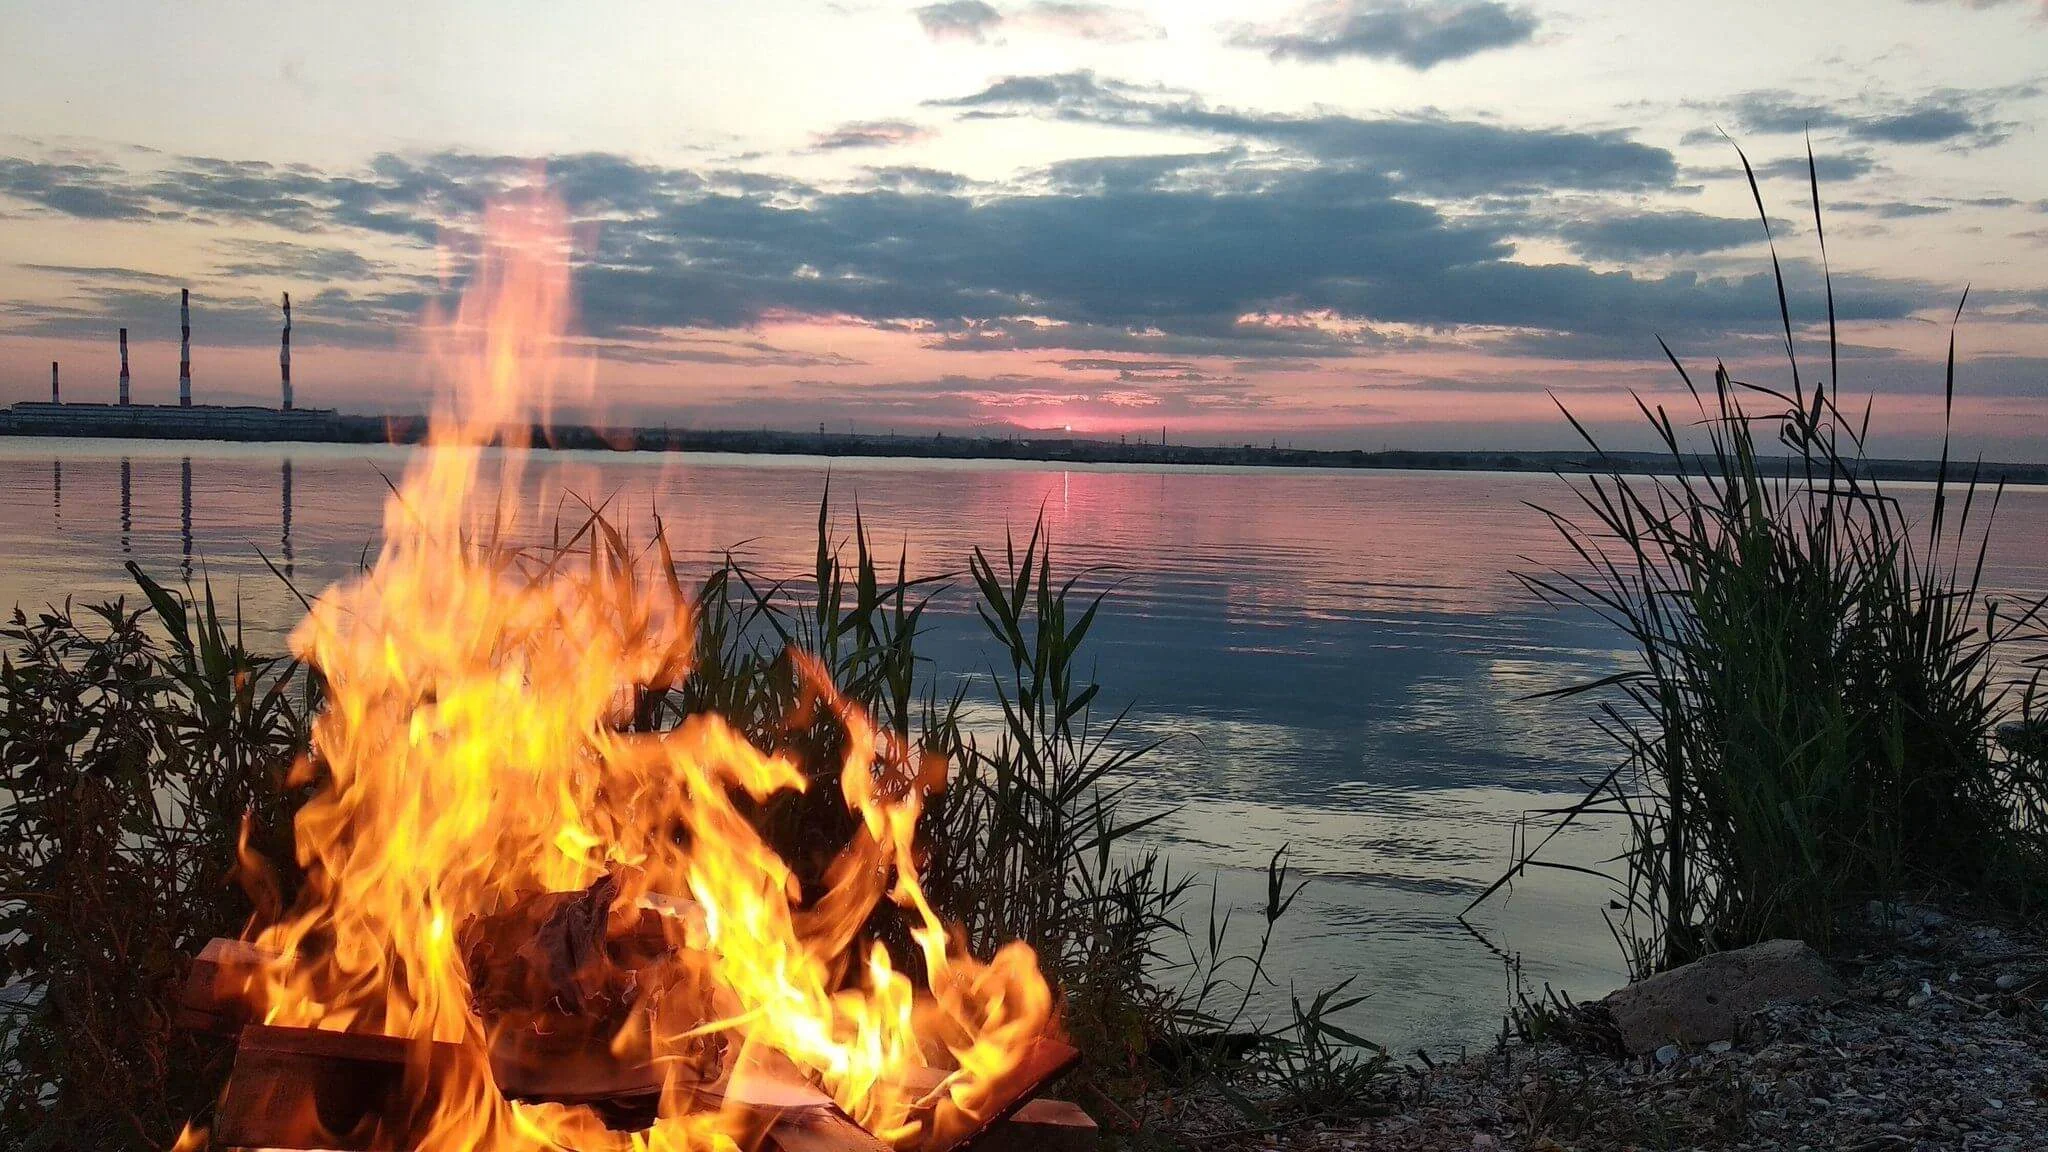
column 255, row 425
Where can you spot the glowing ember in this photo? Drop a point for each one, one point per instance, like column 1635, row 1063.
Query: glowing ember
column 486, row 815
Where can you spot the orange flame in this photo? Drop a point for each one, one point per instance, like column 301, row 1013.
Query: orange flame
column 477, row 761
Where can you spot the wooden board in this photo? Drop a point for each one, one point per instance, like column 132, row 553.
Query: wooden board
column 303, row 1088
column 297, row 1088
column 213, row 999
column 1047, row 1061
column 307, row 1089
column 1042, row 1125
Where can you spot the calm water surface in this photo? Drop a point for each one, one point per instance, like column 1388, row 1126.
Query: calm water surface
column 1339, row 660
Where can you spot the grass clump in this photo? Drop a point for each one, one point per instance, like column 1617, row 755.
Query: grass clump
column 1811, row 723
column 133, row 762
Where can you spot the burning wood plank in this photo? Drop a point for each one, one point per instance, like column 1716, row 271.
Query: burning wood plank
column 1046, row 1062
column 302, row 1088
column 1041, row 1125
column 306, row 1089
column 216, row 996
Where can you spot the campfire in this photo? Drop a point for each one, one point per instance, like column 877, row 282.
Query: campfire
column 527, row 922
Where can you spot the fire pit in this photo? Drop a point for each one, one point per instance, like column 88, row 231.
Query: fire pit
column 527, row 923
column 299, row 1088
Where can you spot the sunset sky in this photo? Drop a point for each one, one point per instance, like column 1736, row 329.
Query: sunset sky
column 1356, row 223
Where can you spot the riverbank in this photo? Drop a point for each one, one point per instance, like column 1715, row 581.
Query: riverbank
column 258, row 425
column 1938, row 1041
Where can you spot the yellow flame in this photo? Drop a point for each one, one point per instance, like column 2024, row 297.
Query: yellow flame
column 476, row 756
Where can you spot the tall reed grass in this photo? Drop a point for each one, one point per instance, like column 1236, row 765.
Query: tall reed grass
column 1810, row 721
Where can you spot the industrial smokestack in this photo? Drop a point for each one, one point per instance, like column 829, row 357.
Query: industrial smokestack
column 54, row 397
column 124, row 366
column 184, row 347
column 284, row 358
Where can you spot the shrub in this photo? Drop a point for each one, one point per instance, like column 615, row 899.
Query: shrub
column 1811, row 720
column 132, row 761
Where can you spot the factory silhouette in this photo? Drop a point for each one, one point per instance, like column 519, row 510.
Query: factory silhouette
column 186, row 419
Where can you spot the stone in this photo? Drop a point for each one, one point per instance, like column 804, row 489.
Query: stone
column 1707, row 1000
column 2007, row 981
column 1903, row 919
column 1667, row 1055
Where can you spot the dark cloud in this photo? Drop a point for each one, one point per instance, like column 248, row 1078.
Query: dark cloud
column 1077, row 95
column 1418, row 33
column 1890, row 209
column 251, row 258
column 1483, row 385
column 907, row 178
column 1103, row 364
column 1024, row 333
column 1098, row 174
column 2002, row 376
column 88, row 191
column 1432, row 155
column 1648, row 234
column 1135, row 257
column 959, row 20
column 1843, row 167
column 1958, row 118
column 1184, row 261
column 1626, row 308
column 1838, row 168
column 225, row 315
column 871, row 134
column 409, row 200
column 101, row 275
column 747, row 354
column 1274, row 364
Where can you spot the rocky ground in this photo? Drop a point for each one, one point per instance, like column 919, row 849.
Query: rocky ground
column 1936, row 1038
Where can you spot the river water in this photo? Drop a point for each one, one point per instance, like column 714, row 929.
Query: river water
column 1340, row 662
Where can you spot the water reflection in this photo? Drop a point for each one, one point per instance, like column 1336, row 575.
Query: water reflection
column 285, row 514
column 57, row 490
column 185, row 515
column 1338, row 661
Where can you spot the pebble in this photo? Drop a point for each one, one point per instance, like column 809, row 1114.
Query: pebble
column 1873, row 1071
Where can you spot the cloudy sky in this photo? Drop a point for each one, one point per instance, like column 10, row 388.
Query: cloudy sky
column 1343, row 223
